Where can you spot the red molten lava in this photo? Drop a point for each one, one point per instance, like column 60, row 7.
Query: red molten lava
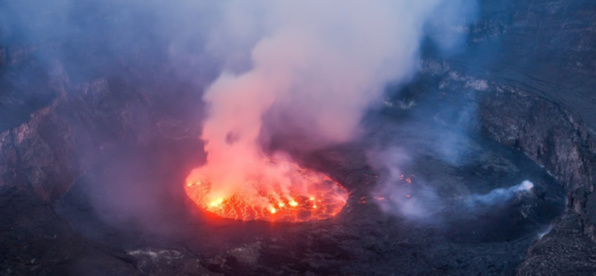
column 306, row 195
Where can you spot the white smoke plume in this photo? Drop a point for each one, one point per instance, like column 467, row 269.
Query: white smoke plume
column 499, row 195
column 318, row 64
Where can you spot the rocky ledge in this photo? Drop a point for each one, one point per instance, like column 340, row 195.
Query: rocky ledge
column 553, row 138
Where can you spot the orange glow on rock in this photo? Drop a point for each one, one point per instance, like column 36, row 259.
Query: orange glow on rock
column 305, row 195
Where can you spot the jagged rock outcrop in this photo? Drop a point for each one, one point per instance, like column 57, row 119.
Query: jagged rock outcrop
column 546, row 133
column 48, row 152
column 553, row 138
column 539, row 56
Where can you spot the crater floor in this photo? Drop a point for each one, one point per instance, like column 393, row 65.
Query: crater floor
column 440, row 217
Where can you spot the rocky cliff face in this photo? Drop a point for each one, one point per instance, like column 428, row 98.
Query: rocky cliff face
column 539, row 58
column 545, row 47
column 59, row 141
column 552, row 138
column 546, row 133
column 43, row 151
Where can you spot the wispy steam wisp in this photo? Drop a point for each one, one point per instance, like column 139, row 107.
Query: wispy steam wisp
column 500, row 195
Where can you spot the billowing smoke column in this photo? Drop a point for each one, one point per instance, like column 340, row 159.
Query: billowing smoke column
column 317, row 64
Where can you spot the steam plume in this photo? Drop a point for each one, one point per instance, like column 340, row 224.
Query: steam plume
column 318, row 64
column 500, row 195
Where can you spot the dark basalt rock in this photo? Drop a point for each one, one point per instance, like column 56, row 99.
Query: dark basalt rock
column 539, row 60
column 34, row 240
column 55, row 146
column 551, row 137
column 565, row 250
column 535, row 125
column 547, row 134
column 546, row 48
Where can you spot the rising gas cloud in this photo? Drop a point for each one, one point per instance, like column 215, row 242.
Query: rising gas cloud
column 307, row 67
column 318, row 65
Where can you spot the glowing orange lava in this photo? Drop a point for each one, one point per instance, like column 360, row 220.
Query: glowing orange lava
column 306, row 195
